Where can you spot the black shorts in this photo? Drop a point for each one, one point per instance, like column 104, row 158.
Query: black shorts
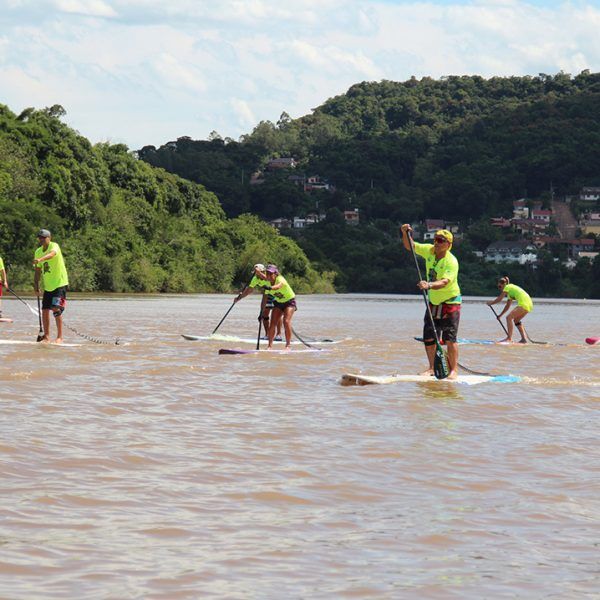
column 283, row 305
column 270, row 302
column 446, row 326
column 56, row 299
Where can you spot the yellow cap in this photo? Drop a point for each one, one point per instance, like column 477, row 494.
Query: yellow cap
column 446, row 235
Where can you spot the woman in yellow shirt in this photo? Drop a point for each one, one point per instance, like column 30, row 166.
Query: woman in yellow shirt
column 515, row 317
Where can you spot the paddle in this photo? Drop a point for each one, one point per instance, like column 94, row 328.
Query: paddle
column 440, row 363
column 260, row 320
column 305, row 343
column 230, row 309
column 499, row 320
column 40, row 336
column 38, row 313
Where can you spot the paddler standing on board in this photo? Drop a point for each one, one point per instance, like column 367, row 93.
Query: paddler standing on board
column 516, row 316
column 443, row 295
column 50, row 266
column 259, row 281
column 285, row 304
column 3, row 282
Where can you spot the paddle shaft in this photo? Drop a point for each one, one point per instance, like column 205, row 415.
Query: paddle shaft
column 305, row 343
column 230, row 309
column 423, row 292
column 499, row 320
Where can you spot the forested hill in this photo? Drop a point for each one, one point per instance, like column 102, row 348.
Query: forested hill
column 460, row 148
column 123, row 225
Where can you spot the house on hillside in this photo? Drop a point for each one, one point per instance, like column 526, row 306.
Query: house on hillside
column 589, row 194
column 574, row 246
column 281, row 223
column 520, row 209
column 351, row 217
column 314, row 182
column 500, row 222
column 539, row 214
column 590, row 223
column 529, row 226
column 431, row 226
column 281, row 163
column 520, row 251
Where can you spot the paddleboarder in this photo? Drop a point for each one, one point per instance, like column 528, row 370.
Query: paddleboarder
column 3, row 282
column 284, row 304
column 50, row 267
column 443, row 293
column 524, row 306
column 259, row 281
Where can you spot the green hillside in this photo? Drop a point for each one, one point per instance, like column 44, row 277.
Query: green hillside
column 459, row 148
column 124, row 225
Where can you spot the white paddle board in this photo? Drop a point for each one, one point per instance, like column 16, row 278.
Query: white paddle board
column 265, row 351
column 247, row 340
column 5, row 320
column 356, row 379
column 34, row 343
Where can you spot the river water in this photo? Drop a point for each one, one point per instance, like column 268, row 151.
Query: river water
column 159, row 469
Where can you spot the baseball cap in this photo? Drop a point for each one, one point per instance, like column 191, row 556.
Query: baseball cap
column 259, row 266
column 44, row 233
column 445, row 234
column 272, row 269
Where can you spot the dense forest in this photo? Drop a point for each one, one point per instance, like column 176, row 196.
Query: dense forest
column 460, row 148
column 123, row 225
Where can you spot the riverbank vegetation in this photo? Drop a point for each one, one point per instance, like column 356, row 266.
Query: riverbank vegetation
column 124, row 225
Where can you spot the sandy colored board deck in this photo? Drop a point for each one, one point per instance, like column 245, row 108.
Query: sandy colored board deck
column 265, row 351
column 358, row 379
column 246, row 340
column 5, row 320
column 34, row 343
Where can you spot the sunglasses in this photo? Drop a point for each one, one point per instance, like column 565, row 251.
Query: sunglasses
column 440, row 240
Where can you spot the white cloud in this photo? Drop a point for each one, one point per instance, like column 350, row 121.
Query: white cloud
column 91, row 8
column 146, row 71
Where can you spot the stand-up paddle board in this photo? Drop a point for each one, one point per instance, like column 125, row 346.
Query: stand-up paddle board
column 5, row 320
column 354, row 379
column 265, row 351
column 593, row 341
column 462, row 341
column 246, row 340
column 34, row 343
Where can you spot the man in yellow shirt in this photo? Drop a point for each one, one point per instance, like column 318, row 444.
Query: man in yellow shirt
column 443, row 293
column 50, row 267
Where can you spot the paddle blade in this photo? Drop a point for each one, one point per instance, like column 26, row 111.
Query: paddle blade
column 440, row 364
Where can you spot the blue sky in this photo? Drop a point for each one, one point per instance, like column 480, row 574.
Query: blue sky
column 148, row 71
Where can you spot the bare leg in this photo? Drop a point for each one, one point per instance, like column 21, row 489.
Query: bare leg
column 59, row 328
column 275, row 315
column 452, row 359
column 288, row 313
column 46, row 324
column 430, row 350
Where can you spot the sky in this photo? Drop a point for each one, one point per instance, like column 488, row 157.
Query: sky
column 145, row 72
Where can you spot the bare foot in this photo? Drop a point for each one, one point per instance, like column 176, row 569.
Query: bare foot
column 523, row 341
column 427, row 372
column 45, row 340
column 287, row 349
column 269, row 347
column 453, row 375
column 505, row 341
column 58, row 341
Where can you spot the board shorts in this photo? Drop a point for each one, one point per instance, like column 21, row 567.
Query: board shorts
column 283, row 305
column 56, row 300
column 446, row 318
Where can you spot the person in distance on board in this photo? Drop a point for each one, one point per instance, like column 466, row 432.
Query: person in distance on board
column 284, row 304
column 50, row 267
column 516, row 316
column 443, row 294
column 259, row 280
column 3, row 282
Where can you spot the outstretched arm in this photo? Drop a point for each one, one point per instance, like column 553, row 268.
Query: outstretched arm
column 496, row 300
